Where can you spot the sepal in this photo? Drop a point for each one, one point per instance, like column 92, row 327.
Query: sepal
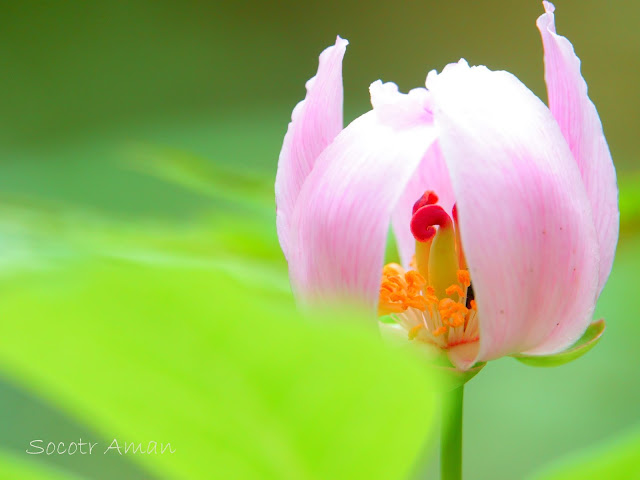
column 452, row 378
column 583, row 345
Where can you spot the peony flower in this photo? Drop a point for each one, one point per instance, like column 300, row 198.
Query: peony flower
column 504, row 210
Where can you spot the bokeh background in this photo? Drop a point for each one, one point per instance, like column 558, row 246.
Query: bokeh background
column 156, row 125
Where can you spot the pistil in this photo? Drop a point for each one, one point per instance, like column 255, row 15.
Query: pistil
column 443, row 260
column 434, row 299
column 423, row 247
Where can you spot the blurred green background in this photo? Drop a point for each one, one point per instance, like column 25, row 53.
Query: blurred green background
column 132, row 128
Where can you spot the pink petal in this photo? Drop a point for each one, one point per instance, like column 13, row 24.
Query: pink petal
column 580, row 125
column 431, row 174
column 314, row 124
column 342, row 216
column 463, row 356
column 524, row 214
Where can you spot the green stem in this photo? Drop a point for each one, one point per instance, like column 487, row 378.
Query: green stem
column 451, row 435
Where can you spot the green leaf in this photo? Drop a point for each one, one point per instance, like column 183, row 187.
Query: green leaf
column 583, row 345
column 36, row 235
column 229, row 375
column 203, row 176
column 24, row 468
column 616, row 459
column 629, row 185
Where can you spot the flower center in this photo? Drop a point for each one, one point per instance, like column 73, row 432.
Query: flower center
column 433, row 300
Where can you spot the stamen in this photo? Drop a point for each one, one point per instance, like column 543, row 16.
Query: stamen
column 457, row 319
column 415, row 281
column 400, row 290
column 392, row 269
column 439, row 331
column 438, row 283
column 455, row 288
column 413, row 333
column 453, row 314
column 464, row 278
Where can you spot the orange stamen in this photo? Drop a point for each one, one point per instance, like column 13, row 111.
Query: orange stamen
column 400, row 290
column 464, row 278
column 454, row 289
column 453, row 314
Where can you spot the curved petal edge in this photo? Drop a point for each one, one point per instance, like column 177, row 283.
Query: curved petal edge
column 580, row 124
column 524, row 215
column 342, row 216
column 315, row 122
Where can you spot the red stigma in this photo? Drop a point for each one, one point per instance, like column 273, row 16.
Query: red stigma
column 424, row 220
column 428, row 198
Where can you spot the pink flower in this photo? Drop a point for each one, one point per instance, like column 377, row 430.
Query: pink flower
column 536, row 227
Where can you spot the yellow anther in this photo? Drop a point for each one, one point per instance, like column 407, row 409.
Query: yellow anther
column 457, row 320
column 416, row 302
column 464, row 278
column 430, row 295
column 400, row 290
column 415, row 282
column 446, row 304
column 455, row 288
column 392, row 269
column 452, row 314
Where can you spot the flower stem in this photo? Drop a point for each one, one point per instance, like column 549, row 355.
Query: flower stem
column 451, row 435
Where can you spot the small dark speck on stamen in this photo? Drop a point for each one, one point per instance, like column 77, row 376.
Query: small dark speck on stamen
column 470, row 296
